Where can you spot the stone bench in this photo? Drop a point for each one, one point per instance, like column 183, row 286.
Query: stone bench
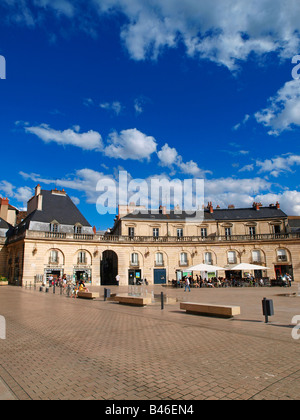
column 222, row 311
column 133, row 300
column 88, row 295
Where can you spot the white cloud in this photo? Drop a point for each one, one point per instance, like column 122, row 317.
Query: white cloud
column 289, row 201
column 223, row 33
column 130, row 144
column 84, row 181
column 283, row 112
column 278, row 165
column 61, row 7
column 239, row 125
column 168, row 156
column 115, row 107
column 86, row 141
column 211, row 30
column 21, row 194
column 247, row 168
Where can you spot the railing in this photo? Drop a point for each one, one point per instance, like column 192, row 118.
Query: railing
column 84, row 237
column 200, row 239
column 55, row 235
column 214, row 239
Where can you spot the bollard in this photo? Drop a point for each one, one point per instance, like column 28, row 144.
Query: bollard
column 47, row 290
column 268, row 309
column 106, row 294
column 162, row 300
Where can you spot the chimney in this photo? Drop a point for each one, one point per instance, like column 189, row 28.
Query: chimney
column 94, row 230
column 231, row 206
column 278, row 205
column 163, row 209
column 257, row 206
column 38, row 190
column 210, row 207
column 4, row 208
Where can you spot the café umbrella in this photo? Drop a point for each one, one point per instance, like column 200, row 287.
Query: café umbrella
column 248, row 267
column 205, row 268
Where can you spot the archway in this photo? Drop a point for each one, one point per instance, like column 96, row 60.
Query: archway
column 109, row 268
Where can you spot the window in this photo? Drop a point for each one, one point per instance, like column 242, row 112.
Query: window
column 252, row 230
column 54, row 257
column 54, row 227
column 277, row 229
column 155, row 233
column 256, row 256
column 208, row 258
column 179, row 233
column 82, row 257
column 231, row 257
column 135, row 259
column 183, row 258
column 282, row 255
column 227, row 232
column 203, row 233
column 131, row 232
column 77, row 229
column 159, row 259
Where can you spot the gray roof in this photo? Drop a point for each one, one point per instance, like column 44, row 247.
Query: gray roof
column 4, row 224
column 217, row 215
column 55, row 207
column 294, row 224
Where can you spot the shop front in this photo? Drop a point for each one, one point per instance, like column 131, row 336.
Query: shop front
column 134, row 276
column 82, row 274
column 53, row 274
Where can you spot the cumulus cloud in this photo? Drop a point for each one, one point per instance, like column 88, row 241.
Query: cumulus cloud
column 130, row 144
column 275, row 166
column 20, row 194
column 90, row 140
column 283, row 111
column 211, row 30
column 223, row 33
column 169, row 157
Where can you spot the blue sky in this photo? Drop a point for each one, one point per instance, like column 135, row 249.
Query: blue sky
column 174, row 89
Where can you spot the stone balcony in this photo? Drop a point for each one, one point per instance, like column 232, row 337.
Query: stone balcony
column 214, row 239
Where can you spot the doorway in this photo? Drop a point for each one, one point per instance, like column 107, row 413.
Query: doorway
column 160, row 276
column 109, row 268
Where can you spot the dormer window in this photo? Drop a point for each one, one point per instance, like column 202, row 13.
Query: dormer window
column 54, row 227
column 78, row 229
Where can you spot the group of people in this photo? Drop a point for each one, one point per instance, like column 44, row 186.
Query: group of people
column 215, row 282
column 287, row 280
column 68, row 285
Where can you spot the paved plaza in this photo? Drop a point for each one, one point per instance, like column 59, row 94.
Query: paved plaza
column 62, row 348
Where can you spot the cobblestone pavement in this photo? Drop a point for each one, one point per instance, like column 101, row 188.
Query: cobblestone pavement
column 62, row 348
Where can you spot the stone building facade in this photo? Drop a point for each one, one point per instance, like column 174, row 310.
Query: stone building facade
column 55, row 239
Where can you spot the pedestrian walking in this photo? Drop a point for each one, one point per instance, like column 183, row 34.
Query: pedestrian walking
column 187, row 284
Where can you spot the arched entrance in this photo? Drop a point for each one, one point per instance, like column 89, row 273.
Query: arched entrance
column 109, row 268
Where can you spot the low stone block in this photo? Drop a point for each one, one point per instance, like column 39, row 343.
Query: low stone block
column 88, row 295
column 222, row 311
column 133, row 300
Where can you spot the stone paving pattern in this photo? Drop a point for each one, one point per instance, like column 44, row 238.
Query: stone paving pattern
column 62, row 348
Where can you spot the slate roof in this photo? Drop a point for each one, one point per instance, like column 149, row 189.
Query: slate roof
column 55, row 207
column 4, row 224
column 294, row 224
column 217, row 215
